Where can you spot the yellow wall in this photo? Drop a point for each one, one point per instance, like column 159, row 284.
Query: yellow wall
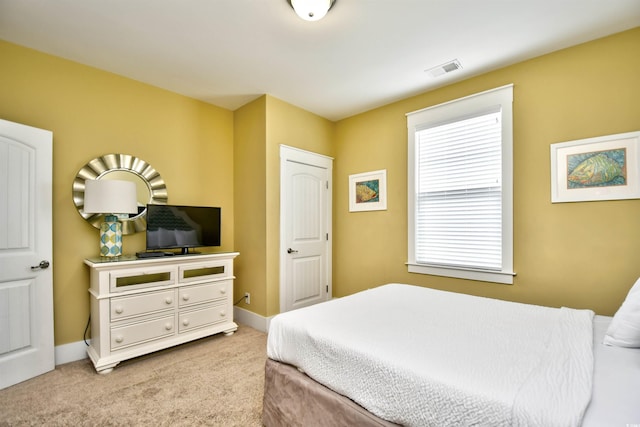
column 250, row 204
column 573, row 254
column 295, row 127
column 261, row 127
column 92, row 112
column 577, row 254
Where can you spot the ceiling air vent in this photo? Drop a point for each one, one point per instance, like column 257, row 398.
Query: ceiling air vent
column 444, row 68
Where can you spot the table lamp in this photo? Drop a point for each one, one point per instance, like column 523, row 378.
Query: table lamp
column 111, row 198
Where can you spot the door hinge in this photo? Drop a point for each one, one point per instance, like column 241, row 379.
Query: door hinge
column 327, row 237
column 327, row 288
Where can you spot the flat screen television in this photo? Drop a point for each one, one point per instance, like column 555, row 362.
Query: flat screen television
column 182, row 227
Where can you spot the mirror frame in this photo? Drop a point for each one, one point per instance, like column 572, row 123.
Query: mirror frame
column 103, row 165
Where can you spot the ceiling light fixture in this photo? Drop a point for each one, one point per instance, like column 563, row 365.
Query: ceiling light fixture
column 311, row 10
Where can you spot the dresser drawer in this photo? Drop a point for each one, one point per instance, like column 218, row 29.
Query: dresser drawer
column 203, row 317
column 141, row 278
column 197, row 294
column 210, row 270
column 136, row 333
column 136, row 305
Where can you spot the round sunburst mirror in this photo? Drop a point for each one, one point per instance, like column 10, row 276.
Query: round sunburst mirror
column 150, row 187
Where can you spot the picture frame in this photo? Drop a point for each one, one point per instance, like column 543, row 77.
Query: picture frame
column 592, row 169
column 368, row 191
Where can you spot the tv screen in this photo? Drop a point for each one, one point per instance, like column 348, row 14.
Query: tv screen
column 182, row 227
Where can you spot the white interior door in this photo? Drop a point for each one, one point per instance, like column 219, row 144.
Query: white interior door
column 26, row 289
column 305, row 228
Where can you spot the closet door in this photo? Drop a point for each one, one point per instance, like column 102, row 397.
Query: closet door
column 305, row 227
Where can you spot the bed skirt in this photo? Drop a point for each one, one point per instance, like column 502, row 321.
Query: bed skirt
column 291, row 398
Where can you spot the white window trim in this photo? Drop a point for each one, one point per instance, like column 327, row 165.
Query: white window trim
column 442, row 113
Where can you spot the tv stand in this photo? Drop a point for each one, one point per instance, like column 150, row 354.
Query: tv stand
column 139, row 306
column 185, row 251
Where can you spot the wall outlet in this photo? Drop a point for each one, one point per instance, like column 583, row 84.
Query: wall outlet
column 247, row 298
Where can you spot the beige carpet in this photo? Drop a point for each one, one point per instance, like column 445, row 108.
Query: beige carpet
column 215, row 381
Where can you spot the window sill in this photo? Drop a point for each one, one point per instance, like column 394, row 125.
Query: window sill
column 505, row 278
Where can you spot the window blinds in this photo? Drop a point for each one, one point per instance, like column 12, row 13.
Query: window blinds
column 459, row 193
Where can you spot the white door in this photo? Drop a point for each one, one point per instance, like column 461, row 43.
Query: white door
column 305, row 228
column 26, row 290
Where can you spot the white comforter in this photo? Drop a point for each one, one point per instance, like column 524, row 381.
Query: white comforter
column 419, row 357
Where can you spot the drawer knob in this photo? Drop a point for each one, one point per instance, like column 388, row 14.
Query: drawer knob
column 185, row 322
column 223, row 291
column 168, row 326
column 185, row 297
column 168, row 300
column 223, row 313
column 119, row 310
column 119, row 339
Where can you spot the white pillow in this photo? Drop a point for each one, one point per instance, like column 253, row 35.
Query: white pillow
column 624, row 330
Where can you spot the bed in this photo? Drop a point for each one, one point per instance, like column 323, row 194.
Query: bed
column 407, row 355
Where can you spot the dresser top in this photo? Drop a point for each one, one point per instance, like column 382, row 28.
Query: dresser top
column 125, row 260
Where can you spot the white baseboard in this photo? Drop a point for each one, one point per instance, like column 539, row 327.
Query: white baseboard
column 70, row 352
column 251, row 319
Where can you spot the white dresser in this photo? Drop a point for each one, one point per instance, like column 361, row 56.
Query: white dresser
column 143, row 305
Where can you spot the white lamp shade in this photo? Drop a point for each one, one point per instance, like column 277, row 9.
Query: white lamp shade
column 311, row 10
column 109, row 196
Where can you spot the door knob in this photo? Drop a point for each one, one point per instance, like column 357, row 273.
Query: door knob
column 291, row 251
column 41, row 266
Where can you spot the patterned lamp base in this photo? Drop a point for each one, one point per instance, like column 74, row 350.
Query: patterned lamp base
column 111, row 237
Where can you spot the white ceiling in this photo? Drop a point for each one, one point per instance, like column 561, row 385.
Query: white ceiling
column 363, row 54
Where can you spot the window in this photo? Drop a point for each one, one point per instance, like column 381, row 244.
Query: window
column 460, row 188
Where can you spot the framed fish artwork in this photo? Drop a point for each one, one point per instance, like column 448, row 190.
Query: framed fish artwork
column 368, row 191
column 600, row 168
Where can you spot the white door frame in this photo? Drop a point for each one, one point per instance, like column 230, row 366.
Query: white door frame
column 298, row 155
